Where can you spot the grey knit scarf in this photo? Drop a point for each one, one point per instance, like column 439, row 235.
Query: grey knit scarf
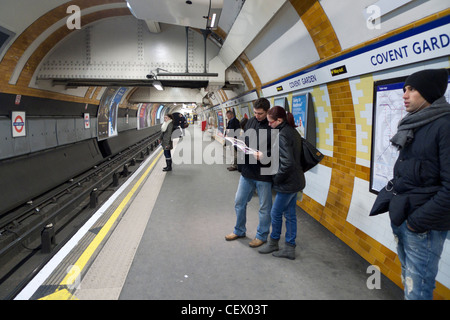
column 411, row 121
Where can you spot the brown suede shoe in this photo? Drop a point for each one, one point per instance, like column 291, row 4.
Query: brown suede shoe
column 232, row 236
column 256, row 243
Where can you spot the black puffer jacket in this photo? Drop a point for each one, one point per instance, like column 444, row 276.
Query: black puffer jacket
column 289, row 177
column 422, row 179
column 257, row 136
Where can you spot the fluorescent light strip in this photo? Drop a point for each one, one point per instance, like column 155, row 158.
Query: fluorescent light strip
column 213, row 20
column 158, row 85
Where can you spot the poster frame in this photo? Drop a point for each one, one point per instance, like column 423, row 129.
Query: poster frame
column 376, row 85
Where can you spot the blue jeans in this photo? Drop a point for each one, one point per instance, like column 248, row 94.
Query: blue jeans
column 167, row 154
column 244, row 194
column 419, row 254
column 285, row 204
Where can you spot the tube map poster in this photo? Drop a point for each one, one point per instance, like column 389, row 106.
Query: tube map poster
column 388, row 110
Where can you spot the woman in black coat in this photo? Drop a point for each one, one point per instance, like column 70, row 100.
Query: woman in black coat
column 166, row 140
column 287, row 181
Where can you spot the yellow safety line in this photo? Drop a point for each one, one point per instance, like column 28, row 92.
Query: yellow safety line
column 77, row 268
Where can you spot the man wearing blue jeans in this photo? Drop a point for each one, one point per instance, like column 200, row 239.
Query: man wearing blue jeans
column 244, row 193
column 257, row 136
column 420, row 205
column 419, row 254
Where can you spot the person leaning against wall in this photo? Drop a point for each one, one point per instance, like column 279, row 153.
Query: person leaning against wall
column 287, row 182
column 419, row 193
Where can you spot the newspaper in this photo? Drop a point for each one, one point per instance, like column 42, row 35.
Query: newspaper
column 241, row 145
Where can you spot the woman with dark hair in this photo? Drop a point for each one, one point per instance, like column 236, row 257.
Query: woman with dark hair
column 287, row 182
column 166, row 140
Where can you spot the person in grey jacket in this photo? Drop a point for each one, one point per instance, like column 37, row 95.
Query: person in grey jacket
column 420, row 205
column 288, row 180
column 166, row 140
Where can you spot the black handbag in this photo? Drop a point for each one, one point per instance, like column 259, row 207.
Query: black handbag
column 310, row 155
column 381, row 204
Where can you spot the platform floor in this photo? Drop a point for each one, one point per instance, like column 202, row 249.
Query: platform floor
column 169, row 245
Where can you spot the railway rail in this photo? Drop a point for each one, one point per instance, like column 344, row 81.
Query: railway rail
column 28, row 233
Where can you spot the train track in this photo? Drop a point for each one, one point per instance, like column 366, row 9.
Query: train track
column 28, row 233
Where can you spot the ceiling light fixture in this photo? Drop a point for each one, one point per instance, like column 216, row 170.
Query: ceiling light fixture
column 158, row 85
column 213, row 18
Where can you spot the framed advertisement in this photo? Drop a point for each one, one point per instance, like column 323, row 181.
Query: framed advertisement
column 107, row 112
column 300, row 113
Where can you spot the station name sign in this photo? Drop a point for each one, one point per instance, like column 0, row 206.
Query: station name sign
column 413, row 46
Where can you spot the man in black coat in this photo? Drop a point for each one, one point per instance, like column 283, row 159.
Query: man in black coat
column 253, row 177
column 420, row 205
